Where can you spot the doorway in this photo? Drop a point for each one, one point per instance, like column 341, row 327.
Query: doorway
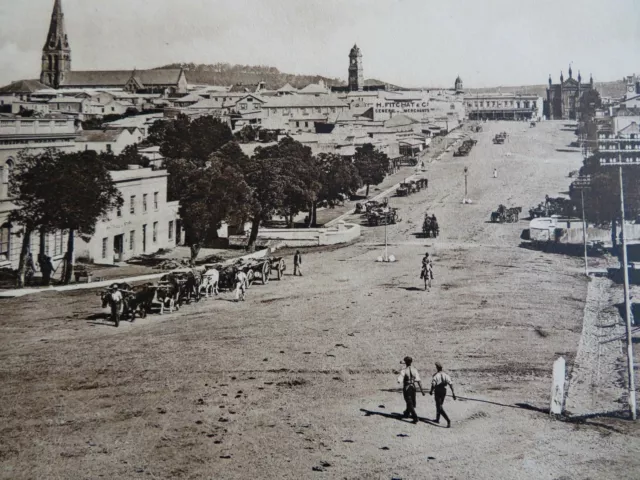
column 118, row 248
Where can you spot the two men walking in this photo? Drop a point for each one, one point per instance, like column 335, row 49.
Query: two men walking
column 410, row 378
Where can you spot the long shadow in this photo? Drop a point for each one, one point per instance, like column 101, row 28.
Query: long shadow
column 399, row 417
column 413, row 289
column 98, row 316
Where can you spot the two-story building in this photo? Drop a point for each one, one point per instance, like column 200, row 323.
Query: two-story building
column 503, row 106
column 32, row 136
column 146, row 223
column 300, row 112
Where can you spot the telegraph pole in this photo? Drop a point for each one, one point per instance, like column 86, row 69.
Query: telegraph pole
column 583, row 182
column 624, row 265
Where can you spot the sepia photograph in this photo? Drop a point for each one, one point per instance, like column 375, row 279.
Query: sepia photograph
column 319, row 239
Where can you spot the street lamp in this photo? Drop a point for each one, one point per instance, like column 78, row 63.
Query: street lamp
column 582, row 183
column 609, row 162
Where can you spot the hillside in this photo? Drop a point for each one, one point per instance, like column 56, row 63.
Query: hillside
column 227, row 74
column 614, row 89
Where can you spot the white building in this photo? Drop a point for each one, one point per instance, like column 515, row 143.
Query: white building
column 503, row 106
column 146, row 223
column 113, row 140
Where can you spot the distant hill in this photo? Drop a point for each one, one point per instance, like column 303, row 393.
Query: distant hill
column 227, row 74
column 614, row 89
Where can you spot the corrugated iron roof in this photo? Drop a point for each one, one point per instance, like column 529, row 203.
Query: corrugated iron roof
column 121, row 77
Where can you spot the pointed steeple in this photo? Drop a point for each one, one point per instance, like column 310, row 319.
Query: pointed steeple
column 579, row 77
column 550, row 82
column 561, row 77
column 56, row 54
column 591, row 80
column 570, row 72
column 57, row 37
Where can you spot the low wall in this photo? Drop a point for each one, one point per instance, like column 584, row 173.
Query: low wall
column 571, row 232
column 306, row 237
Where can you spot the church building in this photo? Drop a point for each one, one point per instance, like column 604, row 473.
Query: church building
column 563, row 99
column 57, row 73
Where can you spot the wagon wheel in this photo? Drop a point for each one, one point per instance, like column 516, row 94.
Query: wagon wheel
column 266, row 272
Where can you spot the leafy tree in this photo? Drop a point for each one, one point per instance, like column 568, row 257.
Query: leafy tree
column 265, row 177
column 372, row 165
column 246, row 134
column 129, row 156
column 192, row 140
column 61, row 191
column 156, row 132
column 339, row 176
column 300, row 176
column 589, row 103
column 213, row 194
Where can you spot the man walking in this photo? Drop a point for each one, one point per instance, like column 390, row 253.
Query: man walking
column 495, row 173
column 409, row 377
column 439, row 386
column 241, row 285
column 297, row 263
column 427, row 271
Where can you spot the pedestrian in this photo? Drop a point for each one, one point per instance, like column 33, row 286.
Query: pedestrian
column 495, row 173
column 426, row 273
column 116, row 303
column 46, row 267
column 297, row 263
column 439, row 385
column 409, row 377
column 241, row 285
column 30, row 269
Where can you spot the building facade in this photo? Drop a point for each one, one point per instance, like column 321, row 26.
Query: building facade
column 503, row 106
column 356, row 74
column 146, row 223
column 563, row 99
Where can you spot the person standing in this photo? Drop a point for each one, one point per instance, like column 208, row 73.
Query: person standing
column 241, row 285
column 297, row 263
column 427, row 271
column 409, row 377
column 115, row 302
column 495, row 173
column 46, row 268
column 439, row 385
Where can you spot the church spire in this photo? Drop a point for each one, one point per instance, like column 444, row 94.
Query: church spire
column 56, row 54
column 570, row 72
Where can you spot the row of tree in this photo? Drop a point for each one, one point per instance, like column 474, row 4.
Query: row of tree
column 215, row 181
column 209, row 174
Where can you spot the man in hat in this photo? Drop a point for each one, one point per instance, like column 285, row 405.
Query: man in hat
column 439, row 386
column 116, row 303
column 426, row 273
column 297, row 263
column 409, row 377
column 242, row 283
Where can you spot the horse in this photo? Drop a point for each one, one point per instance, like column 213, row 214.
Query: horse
column 426, row 274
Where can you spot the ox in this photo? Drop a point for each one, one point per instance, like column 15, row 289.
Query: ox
column 209, row 284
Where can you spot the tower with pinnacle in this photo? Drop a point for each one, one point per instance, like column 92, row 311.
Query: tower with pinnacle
column 356, row 75
column 56, row 54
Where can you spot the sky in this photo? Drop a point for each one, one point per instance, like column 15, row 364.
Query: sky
column 405, row 42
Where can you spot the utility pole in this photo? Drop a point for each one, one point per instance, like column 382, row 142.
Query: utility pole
column 624, row 265
column 583, row 182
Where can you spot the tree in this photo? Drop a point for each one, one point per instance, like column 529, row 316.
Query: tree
column 589, row 103
column 213, row 194
column 61, row 191
column 194, row 140
column 129, row 156
column 300, row 176
column 246, row 134
column 372, row 165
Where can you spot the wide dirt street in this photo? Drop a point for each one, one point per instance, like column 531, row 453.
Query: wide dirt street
column 299, row 381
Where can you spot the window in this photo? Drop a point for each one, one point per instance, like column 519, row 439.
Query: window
column 306, row 124
column 155, row 232
column 132, row 240
column 5, row 236
column 297, row 124
column 109, row 147
column 171, row 230
column 144, row 203
column 243, row 106
column 105, row 242
column 58, row 242
column 155, row 200
column 132, row 206
column 119, row 212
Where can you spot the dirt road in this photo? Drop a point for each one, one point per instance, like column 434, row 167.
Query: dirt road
column 301, row 375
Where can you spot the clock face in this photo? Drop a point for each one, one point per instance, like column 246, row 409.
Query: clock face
column 630, row 88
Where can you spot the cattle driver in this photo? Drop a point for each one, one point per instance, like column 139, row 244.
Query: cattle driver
column 116, row 302
column 409, row 377
column 241, row 285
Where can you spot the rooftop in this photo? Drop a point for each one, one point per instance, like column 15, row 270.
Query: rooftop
column 23, row 86
column 288, row 101
column 136, row 174
column 121, row 77
column 99, row 136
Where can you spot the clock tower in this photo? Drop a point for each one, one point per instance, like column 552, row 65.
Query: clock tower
column 356, row 75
